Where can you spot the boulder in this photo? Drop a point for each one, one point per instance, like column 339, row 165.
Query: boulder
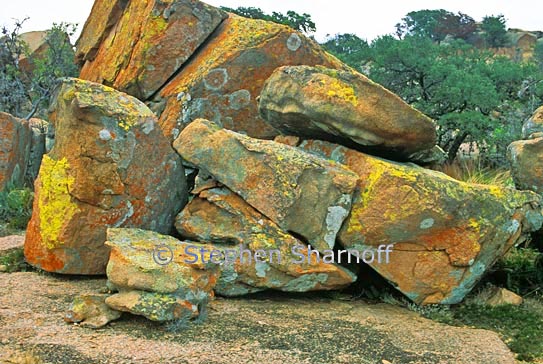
column 301, row 193
column 501, row 296
column 526, row 162
column 224, row 79
column 99, row 175
column 344, row 107
column 147, row 261
column 149, row 43
column 218, row 215
column 91, row 310
column 533, row 127
column 445, row 233
column 15, row 144
column 153, row 306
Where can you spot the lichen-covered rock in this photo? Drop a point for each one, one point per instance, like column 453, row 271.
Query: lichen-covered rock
column 15, row 144
column 99, row 174
column 299, row 192
column 445, row 233
column 218, row 215
column 149, row 43
column 153, row 306
column 226, row 76
column 148, row 261
column 526, row 161
column 533, row 127
column 344, row 107
column 91, row 310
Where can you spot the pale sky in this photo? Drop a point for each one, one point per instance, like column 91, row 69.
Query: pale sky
column 364, row 18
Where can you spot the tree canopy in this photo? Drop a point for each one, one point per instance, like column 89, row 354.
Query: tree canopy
column 436, row 25
column 300, row 22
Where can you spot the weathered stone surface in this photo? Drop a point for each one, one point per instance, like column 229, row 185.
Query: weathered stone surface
column 147, row 46
column 218, row 215
column 15, row 144
column 99, row 174
column 299, row 192
column 226, row 76
column 343, row 107
column 133, row 264
column 533, row 127
column 103, row 17
column 36, row 48
column 153, row 306
column 501, row 296
column 445, row 233
column 526, row 161
column 91, row 310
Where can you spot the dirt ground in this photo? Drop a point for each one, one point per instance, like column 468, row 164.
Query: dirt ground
column 267, row 328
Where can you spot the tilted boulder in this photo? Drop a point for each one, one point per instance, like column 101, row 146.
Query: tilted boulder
column 533, row 127
column 526, row 162
column 99, row 174
column 445, row 233
column 218, row 215
column 15, row 144
column 344, row 107
column 226, row 76
column 299, row 192
column 149, row 43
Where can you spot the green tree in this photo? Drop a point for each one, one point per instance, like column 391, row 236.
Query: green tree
column 495, row 32
column 349, row 48
column 436, row 25
column 300, row 22
column 473, row 95
column 538, row 54
column 23, row 92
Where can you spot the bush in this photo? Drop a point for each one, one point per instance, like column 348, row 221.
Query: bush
column 521, row 270
column 15, row 207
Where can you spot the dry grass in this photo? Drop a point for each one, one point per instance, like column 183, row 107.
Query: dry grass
column 27, row 357
column 473, row 171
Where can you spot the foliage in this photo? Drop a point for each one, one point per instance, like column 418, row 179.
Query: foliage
column 522, row 269
column 14, row 261
column 520, row 326
column 436, row 25
column 15, row 207
column 495, row 32
column 24, row 91
column 538, row 54
column 350, row 49
column 300, row 22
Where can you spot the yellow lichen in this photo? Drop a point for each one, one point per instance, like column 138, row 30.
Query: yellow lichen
column 54, row 201
column 342, row 91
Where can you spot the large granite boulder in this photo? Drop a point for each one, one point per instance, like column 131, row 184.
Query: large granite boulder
column 299, row 192
column 526, row 161
column 99, row 175
column 533, row 127
column 15, row 144
column 220, row 216
column 344, row 107
column 149, row 43
column 445, row 233
column 225, row 78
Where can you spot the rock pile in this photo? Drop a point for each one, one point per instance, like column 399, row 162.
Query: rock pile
column 262, row 214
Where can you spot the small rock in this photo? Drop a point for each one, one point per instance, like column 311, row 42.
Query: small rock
column 502, row 296
column 91, row 311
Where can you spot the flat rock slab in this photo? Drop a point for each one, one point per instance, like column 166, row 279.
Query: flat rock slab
column 12, row 242
column 265, row 329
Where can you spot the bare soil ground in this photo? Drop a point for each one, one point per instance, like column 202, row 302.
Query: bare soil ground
column 266, row 328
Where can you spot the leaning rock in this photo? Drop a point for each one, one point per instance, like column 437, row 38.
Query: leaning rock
column 99, row 175
column 149, row 44
column 445, row 233
column 148, row 261
column 153, row 306
column 15, row 143
column 533, row 127
column 224, row 79
column 526, row 160
column 91, row 310
column 299, row 192
column 344, row 107
column 218, row 215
